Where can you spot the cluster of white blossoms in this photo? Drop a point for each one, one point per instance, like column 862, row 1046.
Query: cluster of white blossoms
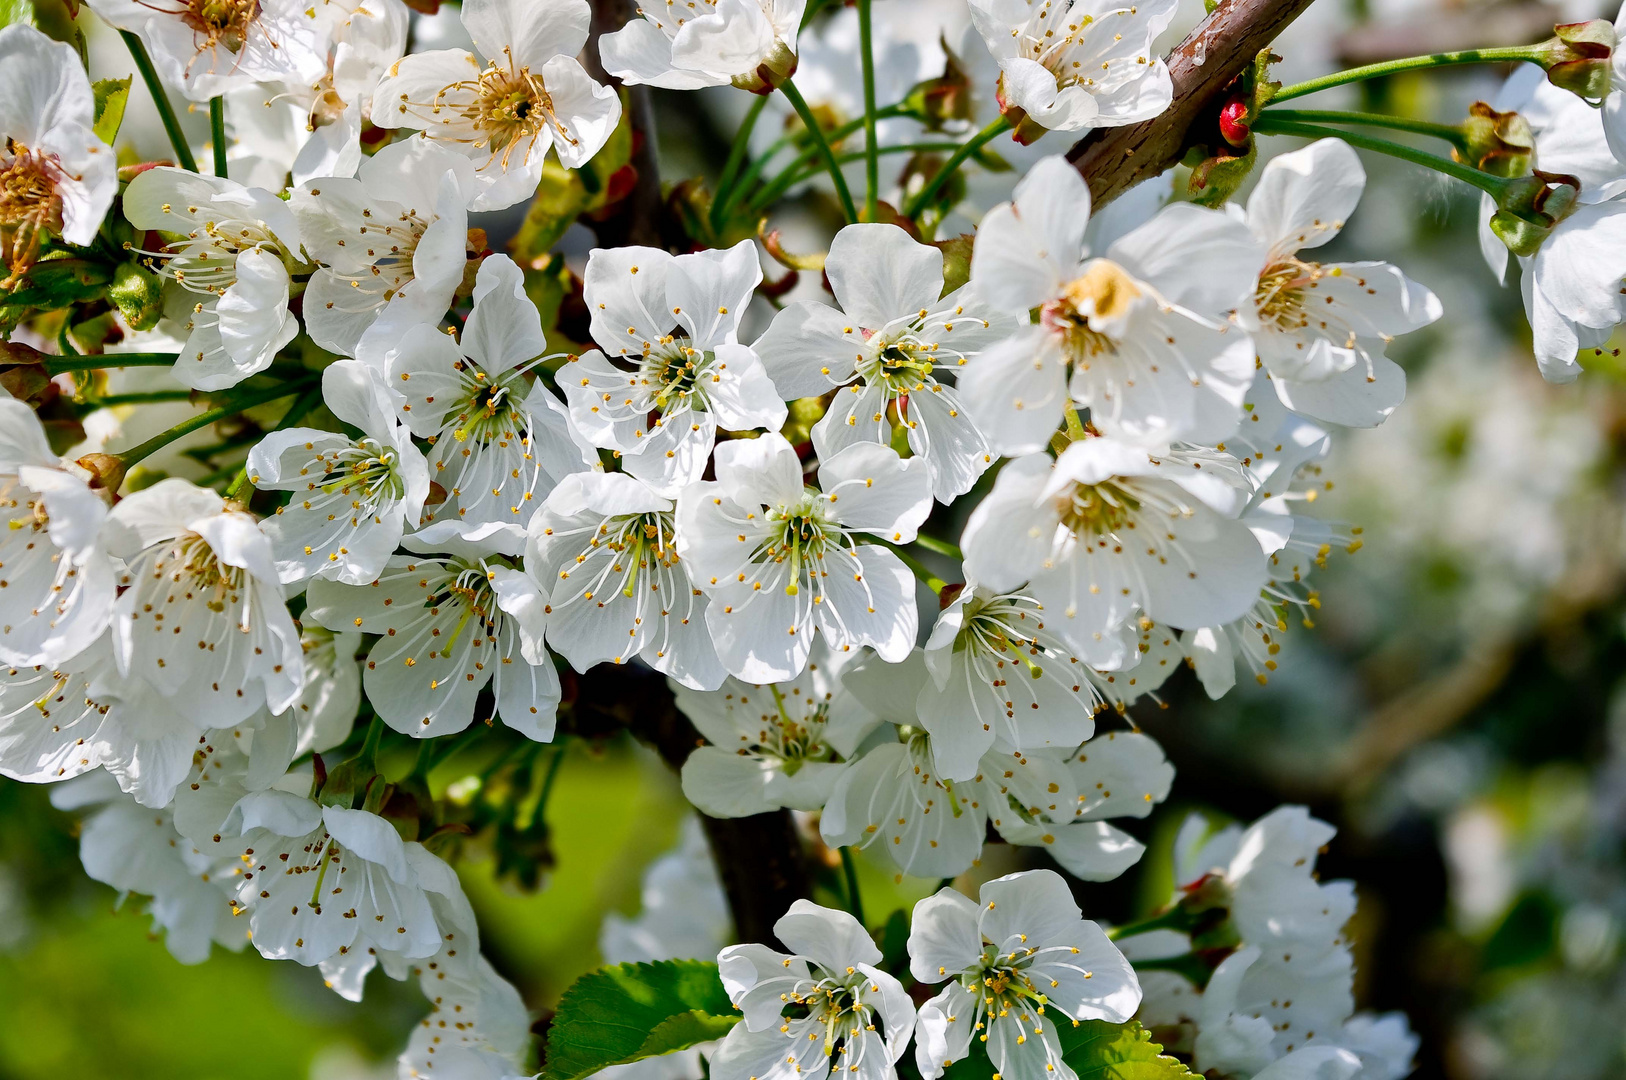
column 487, row 476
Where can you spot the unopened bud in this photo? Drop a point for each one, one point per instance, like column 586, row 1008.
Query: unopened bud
column 1579, row 56
column 106, row 470
column 138, row 294
column 779, row 65
column 1233, row 122
column 1500, row 143
column 1530, row 208
column 945, row 98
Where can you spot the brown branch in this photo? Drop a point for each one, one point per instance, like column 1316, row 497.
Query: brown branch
column 1113, row 160
column 759, row 858
column 640, row 216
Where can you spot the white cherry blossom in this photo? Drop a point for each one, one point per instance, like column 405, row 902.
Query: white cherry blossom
column 201, row 620
column 885, row 345
column 1138, row 337
column 327, row 883
column 448, row 626
column 1108, row 531
column 774, row 745
column 851, row 1018
column 781, row 560
column 1019, row 962
column 748, row 43
column 673, row 325
column 352, row 498
column 1320, row 328
column 477, row 1024
column 530, row 96
column 1073, row 65
column 499, row 441
column 207, row 47
column 60, row 177
column 56, row 581
column 229, row 260
column 391, row 245
column 604, row 547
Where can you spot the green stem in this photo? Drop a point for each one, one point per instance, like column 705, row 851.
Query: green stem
column 952, row 165
column 822, row 145
column 941, row 547
column 1176, row 918
column 58, row 365
column 916, row 567
column 1493, row 185
column 795, row 173
column 547, row 785
column 217, row 133
column 64, row 341
column 855, row 902
column 296, row 412
column 754, row 171
column 1515, row 53
column 1192, row 966
column 146, row 398
column 245, row 401
column 368, row 754
column 1449, row 132
column 1075, row 426
column 872, row 158
column 172, row 126
column 736, row 158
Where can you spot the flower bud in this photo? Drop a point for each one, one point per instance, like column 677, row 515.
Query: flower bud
column 1578, row 58
column 1233, row 122
column 779, row 65
column 943, row 99
column 1500, row 143
column 138, row 294
column 1529, row 208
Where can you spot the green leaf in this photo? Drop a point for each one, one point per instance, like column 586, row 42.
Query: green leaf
column 1096, row 1050
column 112, row 95
column 630, row 1011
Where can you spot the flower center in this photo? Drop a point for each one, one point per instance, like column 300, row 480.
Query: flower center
column 1104, row 294
column 1280, row 296
column 366, row 472
column 488, row 413
column 1048, row 40
column 672, row 370
column 216, row 22
column 1099, row 509
column 191, row 560
column 791, row 740
column 30, row 207
column 900, row 362
column 803, row 537
column 642, row 542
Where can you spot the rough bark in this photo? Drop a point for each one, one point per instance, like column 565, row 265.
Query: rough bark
column 1113, row 160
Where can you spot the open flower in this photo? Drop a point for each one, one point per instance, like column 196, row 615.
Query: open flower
column 1138, row 337
column 893, row 332
column 58, row 176
column 604, row 547
column 531, row 95
column 201, row 621
column 324, row 882
column 1108, row 531
column 229, row 260
column 56, row 581
column 675, row 321
column 895, row 797
column 1018, row 963
column 353, row 498
column 391, row 246
column 781, row 560
column 1073, row 65
column 749, row 43
column 499, row 441
column 448, row 627
column 847, row 1016
column 771, row 746
column 207, row 47
column 1320, row 328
